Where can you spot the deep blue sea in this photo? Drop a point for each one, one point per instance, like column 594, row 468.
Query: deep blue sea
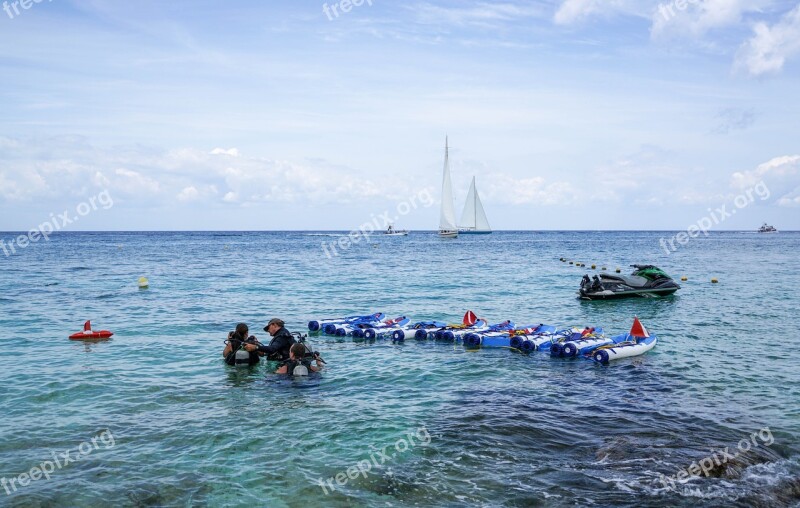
column 153, row 417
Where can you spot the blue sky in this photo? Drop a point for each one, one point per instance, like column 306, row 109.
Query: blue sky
column 576, row 114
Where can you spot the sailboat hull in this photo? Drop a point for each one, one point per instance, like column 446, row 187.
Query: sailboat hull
column 463, row 232
column 448, row 234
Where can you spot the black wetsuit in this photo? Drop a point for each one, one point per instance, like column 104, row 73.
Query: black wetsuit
column 291, row 364
column 278, row 348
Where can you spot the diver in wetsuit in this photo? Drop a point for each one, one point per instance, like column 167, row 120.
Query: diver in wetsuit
column 236, row 352
column 278, row 348
column 298, row 364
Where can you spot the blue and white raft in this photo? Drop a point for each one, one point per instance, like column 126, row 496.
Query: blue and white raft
column 459, row 333
column 410, row 331
column 542, row 339
column 507, row 335
column 637, row 342
column 383, row 329
column 580, row 343
column 329, row 325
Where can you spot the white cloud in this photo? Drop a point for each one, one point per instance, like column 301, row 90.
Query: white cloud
column 572, row 11
column 147, row 176
column 485, row 14
column 135, row 182
column 786, row 167
column 232, row 152
column 781, row 176
column 768, row 49
column 528, row 191
column 790, row 200
column 188, row 194
column 700, row 17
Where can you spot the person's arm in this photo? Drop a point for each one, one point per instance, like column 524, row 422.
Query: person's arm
column 228, row 348
column 280, row 344
column 283, row 369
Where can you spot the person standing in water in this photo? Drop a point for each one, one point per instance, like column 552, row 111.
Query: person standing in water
column 236, row 352
column 278, row 348
column 297, row 364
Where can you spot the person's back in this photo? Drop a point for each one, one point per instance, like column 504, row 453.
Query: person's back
column 298, row 364
column 235, row 352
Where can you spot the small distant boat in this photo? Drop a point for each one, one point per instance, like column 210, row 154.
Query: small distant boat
column 473, row 219
column 390, row 231
column 447, row 219
column 766, row 228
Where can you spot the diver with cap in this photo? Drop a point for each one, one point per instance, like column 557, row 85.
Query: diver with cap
column 278, row 348
column 236, row 352
column 298, row 363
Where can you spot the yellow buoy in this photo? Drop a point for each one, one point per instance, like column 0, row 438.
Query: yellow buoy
column 594, row 267
column 143, row 283
column 684, row 278
column 714, row 280
column 619, row 271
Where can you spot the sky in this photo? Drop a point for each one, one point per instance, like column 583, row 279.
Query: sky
column 264, row 115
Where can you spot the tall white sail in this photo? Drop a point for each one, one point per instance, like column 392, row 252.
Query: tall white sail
column 481, row 221
column 447, row 220
column 473, row 219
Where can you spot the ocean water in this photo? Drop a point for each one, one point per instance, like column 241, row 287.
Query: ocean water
column 416, row 424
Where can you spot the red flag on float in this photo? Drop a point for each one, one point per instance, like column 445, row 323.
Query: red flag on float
column 638, row 329
column 470, row 318
column 87, row 326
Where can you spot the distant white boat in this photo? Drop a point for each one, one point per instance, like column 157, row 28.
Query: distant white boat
column 473, row 219
column 391, row 231
column 765, row 228
column 447, row 219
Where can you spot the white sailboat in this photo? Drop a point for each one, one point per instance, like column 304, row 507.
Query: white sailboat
column 473, row 219
column 447, row 219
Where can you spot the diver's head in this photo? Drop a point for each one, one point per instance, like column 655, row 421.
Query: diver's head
column 297, row 351
column 241, row 333
column 273, row 326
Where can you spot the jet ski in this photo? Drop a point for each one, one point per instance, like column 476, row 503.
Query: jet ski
column 646, row 281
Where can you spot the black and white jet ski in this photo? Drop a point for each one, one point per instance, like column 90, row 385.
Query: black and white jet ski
column 646, row 281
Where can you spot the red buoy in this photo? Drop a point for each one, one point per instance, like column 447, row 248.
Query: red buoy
column 87, row 333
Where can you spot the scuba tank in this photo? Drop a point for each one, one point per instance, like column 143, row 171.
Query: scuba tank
column 300, row 370
column 242, row 357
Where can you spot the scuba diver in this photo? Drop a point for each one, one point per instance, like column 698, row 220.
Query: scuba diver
column 278, row 348
column 236, row 352
column 298, row 364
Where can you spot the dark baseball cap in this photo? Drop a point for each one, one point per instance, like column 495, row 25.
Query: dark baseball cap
column 274, row 321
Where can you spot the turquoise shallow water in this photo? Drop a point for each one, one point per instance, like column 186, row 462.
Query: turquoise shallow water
column 490, row 427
